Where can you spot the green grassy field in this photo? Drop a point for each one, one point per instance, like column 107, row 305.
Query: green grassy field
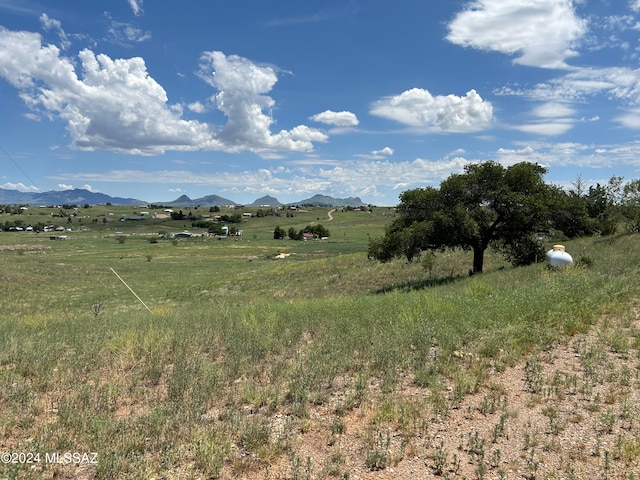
column 234, row 354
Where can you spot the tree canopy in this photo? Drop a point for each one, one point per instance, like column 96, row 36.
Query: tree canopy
column 486, row 205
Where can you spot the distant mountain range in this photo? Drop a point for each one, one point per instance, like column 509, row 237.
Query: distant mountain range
column 77, row 196
column 325, row 201
column 208, row 201
column 81, row 196
column 266, row 201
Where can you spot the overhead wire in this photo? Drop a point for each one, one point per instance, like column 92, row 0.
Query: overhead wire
column 18, row 166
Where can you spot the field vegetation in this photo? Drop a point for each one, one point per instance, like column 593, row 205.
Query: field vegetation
column 206, row 358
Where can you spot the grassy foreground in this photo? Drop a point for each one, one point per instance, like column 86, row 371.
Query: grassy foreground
column 228, row 369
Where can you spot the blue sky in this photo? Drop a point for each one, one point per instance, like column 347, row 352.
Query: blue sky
column 156, row 99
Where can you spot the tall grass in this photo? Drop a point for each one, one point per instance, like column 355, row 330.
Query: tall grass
column 216, row 380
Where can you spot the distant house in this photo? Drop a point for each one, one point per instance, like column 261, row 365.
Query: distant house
column 307, row 236
column 132, row 218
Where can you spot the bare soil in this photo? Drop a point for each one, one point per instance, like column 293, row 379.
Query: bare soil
column 572, row 412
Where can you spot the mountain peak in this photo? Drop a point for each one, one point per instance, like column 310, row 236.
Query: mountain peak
column 328, row 201
column 267, row 200
column 75, row 196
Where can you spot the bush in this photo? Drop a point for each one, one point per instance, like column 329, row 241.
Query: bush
column 293, row 235
column 524, row 252
column 279, row 233
column 585, row 261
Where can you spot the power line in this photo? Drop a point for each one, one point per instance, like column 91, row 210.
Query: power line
column 18, row 166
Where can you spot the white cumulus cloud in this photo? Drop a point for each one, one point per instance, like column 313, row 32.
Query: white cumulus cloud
column 197, row 107
column 548, row 128
column 55, row 25
column 136, row 6
column 124, row 33
column 386, row 151
column 541, row 33
column 553, row 110
column 377, row 154
column 419, row 108
column 242, row 87
column 338, row 119
column 20, row 186
column 116, row 105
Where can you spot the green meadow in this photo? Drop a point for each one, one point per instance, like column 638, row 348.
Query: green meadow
column 206, row 358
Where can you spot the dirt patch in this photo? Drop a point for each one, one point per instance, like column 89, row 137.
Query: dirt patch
column 572, row 412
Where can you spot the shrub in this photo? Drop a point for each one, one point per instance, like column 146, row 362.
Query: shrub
column 279, row 233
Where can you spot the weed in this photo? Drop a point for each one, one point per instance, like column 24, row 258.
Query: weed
column 495, row 458
column 378, row 455
column 556, row 423
column 608, row 421
column 335, row 464
column 455, row 464
column 499, row 429
column 210, row 452
column 491, row 403
column 300, row 471
column 630, row 450
column 476, row 446
column 97, row 308
column 533, row 376
column 338, row 426
column 481, row 471
column 618, row 341
column 532, row 466
column 440, row 459
column 625, row 376
column 531, row 440
column 607, row 464
column 255, row 434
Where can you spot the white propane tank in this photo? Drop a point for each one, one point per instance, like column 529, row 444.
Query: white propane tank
column 557, row 257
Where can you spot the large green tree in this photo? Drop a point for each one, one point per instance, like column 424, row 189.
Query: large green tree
column 486, row 205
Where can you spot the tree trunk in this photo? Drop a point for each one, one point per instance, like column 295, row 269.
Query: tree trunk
column 478, row 258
